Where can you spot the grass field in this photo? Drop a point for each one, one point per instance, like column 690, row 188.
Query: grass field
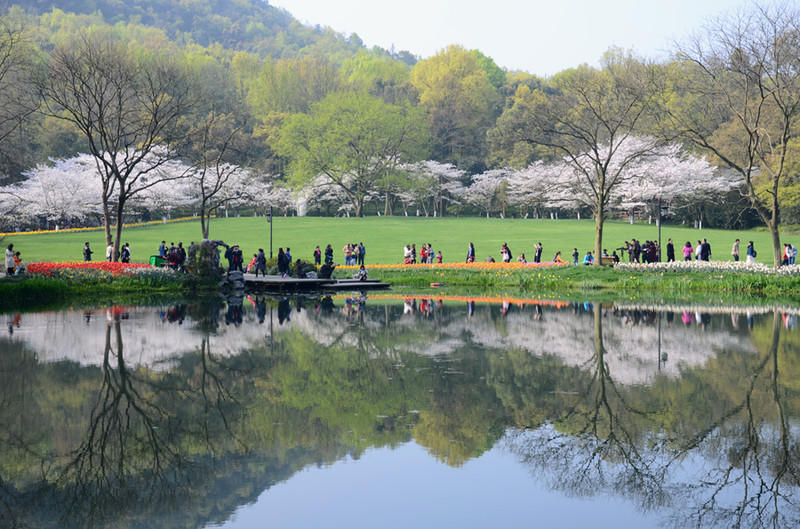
column 385, row 237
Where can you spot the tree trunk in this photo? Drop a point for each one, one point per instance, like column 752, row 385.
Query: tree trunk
column 598, row 232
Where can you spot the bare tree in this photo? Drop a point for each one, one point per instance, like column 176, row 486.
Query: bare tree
column 127, row 105
column 17, row 101
column 739, row 98
column 587, row 123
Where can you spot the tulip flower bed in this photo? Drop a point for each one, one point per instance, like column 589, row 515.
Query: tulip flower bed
column 93, row 277
column 85, row 269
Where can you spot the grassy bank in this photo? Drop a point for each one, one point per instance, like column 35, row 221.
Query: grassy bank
column 555, row 280
column 88, row 285
column 385, row 237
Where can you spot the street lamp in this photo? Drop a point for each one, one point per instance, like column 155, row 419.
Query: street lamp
column 269, row 219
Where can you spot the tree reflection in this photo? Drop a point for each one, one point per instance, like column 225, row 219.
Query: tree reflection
column 137, row 448
column 596, row 444
column 602, row 443
column 756, row 457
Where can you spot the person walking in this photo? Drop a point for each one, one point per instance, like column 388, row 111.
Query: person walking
column 283, row 265
column 751, row 253
column 688, row 251
column 735, row 250
column 471, row 253
column 261, row 262
column 125, row 253
column 705, row 251
column 87, row 252
column 670, row 252
column 10, row 260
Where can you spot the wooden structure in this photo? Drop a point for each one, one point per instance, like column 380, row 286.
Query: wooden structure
column 294, row 284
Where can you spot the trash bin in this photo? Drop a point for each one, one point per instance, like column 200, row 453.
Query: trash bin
column 157, row 260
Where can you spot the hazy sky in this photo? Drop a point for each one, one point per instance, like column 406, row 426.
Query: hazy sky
column 541, row 37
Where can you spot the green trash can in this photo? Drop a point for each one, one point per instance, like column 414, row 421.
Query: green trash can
column 157, row 260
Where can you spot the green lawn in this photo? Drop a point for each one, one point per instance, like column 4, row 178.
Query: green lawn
column 384, row 237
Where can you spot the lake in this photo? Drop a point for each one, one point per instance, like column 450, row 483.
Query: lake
column 387, row 410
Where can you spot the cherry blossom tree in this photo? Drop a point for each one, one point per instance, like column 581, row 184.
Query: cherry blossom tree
column 588, row 122
column 129, row 108
column 61, row 191
column 483, row 191
column 444, row 180
column 533, row 186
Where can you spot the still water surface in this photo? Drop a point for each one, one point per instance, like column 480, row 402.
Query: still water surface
column 388, row 412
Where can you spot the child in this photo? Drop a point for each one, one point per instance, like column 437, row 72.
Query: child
column 439, row 257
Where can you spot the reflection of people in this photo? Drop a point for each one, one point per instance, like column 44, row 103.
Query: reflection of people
column 284, row 310
column 261, row 309
column 326, row 304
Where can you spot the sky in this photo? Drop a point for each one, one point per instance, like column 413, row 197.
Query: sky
column 539, row 37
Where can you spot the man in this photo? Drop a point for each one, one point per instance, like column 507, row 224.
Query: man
column 792, row 253
column 87, row 253
column 238, row 258
column 735, row 250
column 162, row 250
column 361, row 253
column 670, row 252
column 181, row 256
column 705, row 251
column 109, row 251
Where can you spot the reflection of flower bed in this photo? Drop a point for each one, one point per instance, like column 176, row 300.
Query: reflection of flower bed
column 87, row 269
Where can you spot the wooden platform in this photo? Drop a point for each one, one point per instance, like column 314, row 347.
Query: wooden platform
column 293, row 284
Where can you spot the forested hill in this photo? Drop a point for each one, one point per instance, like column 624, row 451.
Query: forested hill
column 250, row 25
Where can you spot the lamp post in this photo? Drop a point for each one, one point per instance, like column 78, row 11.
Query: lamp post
column 269, row 219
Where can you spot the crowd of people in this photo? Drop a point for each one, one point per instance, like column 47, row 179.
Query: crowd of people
column 175, row 256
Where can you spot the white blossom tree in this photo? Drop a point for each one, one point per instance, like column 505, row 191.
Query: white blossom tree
column 483, row 191
column 444, row 180
column 533, row 186
column 62, row 191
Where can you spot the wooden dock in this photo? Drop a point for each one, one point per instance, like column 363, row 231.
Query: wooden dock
column 294, row 284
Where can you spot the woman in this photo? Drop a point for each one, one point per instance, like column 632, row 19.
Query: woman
column 521, row 258
column 283, row 265
column 688, row 251
column 471, row 253
column 10, row 260
column 251, row 266
column 261, row 262
column 751, row 253
column 328, row 255
column 557, row 259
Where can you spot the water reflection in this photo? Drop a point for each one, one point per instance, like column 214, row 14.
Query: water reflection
column 147, row 415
